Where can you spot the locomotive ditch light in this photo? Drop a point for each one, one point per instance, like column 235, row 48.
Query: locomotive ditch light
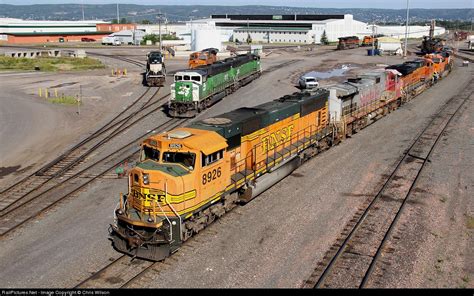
column 146, row 179
column 119, row 212
column 150, row 219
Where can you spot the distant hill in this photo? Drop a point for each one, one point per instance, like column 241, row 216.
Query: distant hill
column 180, row 13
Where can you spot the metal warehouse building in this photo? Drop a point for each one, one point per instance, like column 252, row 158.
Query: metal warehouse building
column 283, row 28
column 25, row 31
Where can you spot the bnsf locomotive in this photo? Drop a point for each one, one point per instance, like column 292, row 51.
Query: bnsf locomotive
column 188, row 177
column 196, row 89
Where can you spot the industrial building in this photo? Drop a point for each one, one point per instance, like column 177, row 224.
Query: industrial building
column 26, row 31
column 399, row 31
column 125, row 37
column 303, row 29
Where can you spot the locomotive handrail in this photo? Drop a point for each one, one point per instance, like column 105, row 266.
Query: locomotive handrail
column 276, row 152
column 174, row 211
column 166, row 217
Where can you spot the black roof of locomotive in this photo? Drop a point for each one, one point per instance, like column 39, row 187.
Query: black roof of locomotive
column 244, row 121
column 224, row 65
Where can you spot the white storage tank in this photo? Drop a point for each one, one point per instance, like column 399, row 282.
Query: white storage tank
column 205, row 38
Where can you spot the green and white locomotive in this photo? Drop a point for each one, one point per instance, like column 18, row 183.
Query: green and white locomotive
column 196, row 89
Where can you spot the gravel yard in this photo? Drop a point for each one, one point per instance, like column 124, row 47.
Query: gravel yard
column 277, row 239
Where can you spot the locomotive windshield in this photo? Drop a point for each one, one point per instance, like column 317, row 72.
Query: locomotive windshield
column 186, row 159
column 155, row 58
column 150, row 153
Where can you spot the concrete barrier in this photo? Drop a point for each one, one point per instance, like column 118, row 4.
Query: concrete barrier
column 31, row 54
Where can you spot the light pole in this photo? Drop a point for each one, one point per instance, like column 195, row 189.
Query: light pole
column 406, row 32
column 159, row 27
column 83, row 17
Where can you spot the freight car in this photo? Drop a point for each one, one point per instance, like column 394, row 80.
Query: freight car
column 188, row 177
column 155, row 69
column 197, row 89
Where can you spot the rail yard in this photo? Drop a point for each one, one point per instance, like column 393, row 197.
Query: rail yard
column 370, row 191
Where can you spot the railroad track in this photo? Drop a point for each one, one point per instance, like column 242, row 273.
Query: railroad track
column 117, row 273
column 120, row 58
column 21, row 190
column 351, row 261
column 12, row 219
column 49, row 178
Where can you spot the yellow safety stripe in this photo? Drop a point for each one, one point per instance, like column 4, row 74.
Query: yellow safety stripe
column 213, row 198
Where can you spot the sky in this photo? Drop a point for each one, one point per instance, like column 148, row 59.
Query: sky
column 389, row 4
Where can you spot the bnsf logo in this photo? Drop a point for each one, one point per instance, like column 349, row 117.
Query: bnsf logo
column 277, row 138
column 160, row 197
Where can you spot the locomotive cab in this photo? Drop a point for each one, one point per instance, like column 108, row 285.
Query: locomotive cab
column 177, row 173
column 186, row 86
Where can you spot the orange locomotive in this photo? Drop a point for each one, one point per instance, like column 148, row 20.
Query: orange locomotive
column 189, row 176
column 205, row 57
column 419, row 74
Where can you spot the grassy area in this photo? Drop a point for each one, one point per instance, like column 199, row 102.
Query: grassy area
column 65, row 100
column 50, row 64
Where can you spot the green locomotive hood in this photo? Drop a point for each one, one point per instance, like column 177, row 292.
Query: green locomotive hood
column 183, row 91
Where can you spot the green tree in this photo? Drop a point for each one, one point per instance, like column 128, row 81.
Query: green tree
column 123, row 20
column 324, row 38
column 154, row 38
column 146, row 22
column 114, row 21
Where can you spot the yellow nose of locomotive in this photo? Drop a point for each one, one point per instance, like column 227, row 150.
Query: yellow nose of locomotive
column 158, row 189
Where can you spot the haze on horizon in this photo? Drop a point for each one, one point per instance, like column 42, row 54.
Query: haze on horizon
column 383, row 4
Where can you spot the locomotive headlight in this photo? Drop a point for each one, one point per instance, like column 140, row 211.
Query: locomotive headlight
column 146, row 179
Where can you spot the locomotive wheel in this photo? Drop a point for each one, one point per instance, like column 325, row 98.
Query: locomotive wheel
column 182, row 109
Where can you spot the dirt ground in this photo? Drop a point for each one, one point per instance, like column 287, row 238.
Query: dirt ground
column 274, row 241
column 434, row 241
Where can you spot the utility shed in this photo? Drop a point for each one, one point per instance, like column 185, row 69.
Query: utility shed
column 388, row 45
column 129, row 36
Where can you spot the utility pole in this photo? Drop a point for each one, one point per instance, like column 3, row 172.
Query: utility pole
column 159, row 28
column 406, row 32
column 118, row 19
column 83, row 18
column 373, row 37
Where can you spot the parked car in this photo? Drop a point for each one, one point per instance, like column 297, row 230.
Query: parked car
column 85, row 39
column 308, row 82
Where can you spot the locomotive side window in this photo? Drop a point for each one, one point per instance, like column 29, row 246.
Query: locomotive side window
column 150, row 153
column 178, row 78
column 196, row 78
column 186, row 159
column 211, row 158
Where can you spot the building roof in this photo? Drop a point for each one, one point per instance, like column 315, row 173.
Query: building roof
column 55, row 33
column 272, row 29
column 284, row 17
